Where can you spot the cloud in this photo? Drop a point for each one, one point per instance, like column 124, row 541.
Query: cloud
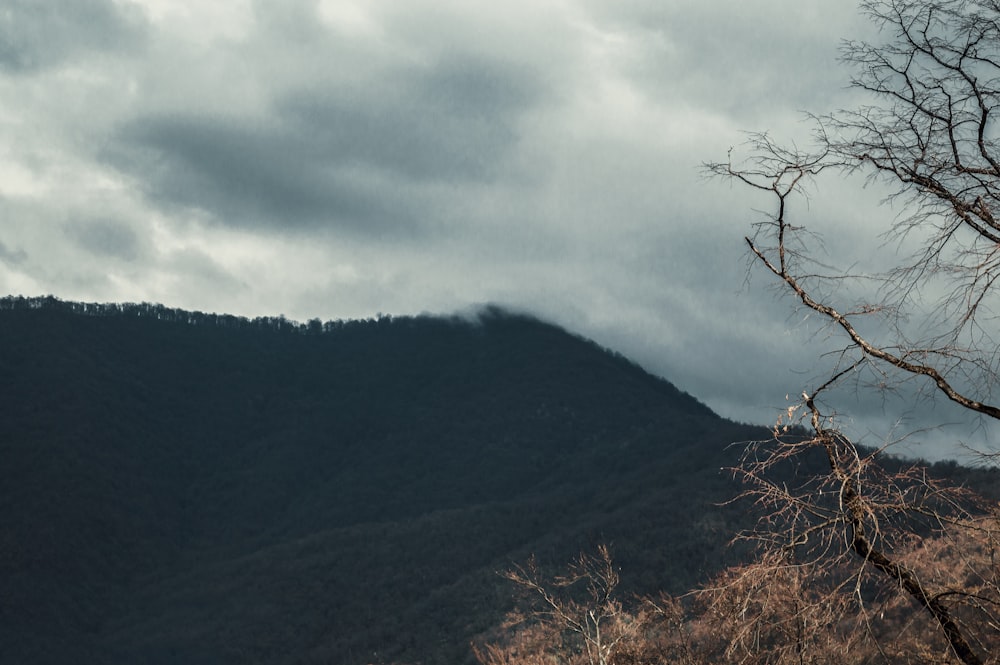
column 351, row 158
column 12, row 257
column 105, row 238
column 760, row 62
column 454, row 120
column 37, row 35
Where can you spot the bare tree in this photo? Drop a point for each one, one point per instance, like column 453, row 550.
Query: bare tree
column 577, row 618
column 576, row 612
column 801, row 601
column 930, row 135
column 848, row 554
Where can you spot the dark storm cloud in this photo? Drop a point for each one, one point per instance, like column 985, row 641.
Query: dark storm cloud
column 12, row 257
column 36, row 34
column 453, row 122
column 244, row 176
column 346, row 157
column 105, row 238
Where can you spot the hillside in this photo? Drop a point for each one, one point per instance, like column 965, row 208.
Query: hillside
column 181, row 487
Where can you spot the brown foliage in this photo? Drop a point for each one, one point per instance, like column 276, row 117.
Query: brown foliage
column 574, row 614
column 775, row 611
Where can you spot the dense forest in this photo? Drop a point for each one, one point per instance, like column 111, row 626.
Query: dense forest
column 181, row 487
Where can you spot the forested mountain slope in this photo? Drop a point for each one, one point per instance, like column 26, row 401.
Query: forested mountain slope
column 180, row 487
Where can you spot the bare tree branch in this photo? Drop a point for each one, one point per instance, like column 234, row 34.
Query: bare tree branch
column 931, row 135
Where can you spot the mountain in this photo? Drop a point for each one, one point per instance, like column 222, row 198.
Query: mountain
column 181, row 487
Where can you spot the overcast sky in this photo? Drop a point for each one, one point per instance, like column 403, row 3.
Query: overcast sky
column 340, row 158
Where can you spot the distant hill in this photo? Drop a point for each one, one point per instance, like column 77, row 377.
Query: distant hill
column 180, row 487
